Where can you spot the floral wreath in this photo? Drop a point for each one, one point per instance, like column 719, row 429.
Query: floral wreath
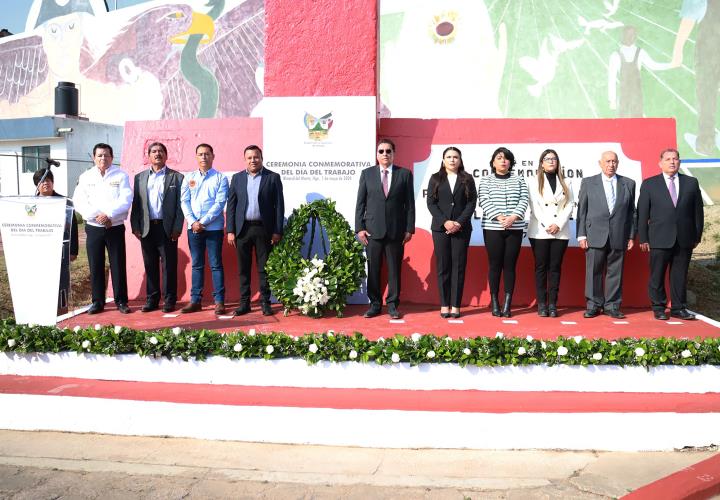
column 310, row 284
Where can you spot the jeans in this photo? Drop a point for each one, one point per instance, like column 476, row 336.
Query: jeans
column 213, row 240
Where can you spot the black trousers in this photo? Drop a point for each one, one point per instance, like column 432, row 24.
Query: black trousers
column 392, row 251
column 98, row 239
column 158, row 249
column 679, row 260
column 451, row 260
column 503, row 249
column 253, row 236
column 548, row 262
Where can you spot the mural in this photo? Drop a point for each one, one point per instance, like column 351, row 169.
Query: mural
column 160, row 59
column 542, row 59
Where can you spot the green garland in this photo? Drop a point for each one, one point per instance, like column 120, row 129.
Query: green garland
column 340, row 273
column 329, row 346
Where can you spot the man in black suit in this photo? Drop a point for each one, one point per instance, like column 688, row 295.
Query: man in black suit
column 670, row 225
column 605, row 230
column 255, row 211
column 157, row 220
column 384, row 222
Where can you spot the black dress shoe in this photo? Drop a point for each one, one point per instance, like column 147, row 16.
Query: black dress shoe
column 444, row 315
column 552, row 311
column 243, row 309
column 149, row 307
column 266, row 309
column 169, row 307
column 393, row 312
column 615, row 313
column 124, row 309
column 660, row 315
column 543, row 311
column 455, row 315
column 372, row 312
column 96, row 308
column 682, row 314
column 591, row 313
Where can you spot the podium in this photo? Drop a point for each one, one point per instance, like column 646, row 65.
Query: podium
column 34, row 230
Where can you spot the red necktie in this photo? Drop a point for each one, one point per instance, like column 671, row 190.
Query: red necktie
column 386, row 186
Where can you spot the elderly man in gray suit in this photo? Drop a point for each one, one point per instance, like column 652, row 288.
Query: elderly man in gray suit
column 606, row 227
column 157, row 221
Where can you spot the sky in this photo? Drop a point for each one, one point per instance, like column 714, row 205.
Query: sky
column 15, row 12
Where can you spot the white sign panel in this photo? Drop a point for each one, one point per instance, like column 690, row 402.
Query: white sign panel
column 32, row 236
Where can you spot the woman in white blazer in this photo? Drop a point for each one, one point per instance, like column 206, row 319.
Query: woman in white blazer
column 551, row 204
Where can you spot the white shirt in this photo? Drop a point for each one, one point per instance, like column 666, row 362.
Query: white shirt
column 109, row 194
column 156, row 192
column 452, row 178
column 610, row 187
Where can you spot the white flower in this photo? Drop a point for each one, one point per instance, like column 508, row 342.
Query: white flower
column 118, row 329
column 237, row 347
column 353, row 354
column 639, row 352
column 395, row 357
column 613, row 343
column 85, row 344
column 296, row 338
column 415, row 337
column 499, row 335
column 577, row 339
column 521, row 351
column 98, row 326
column 331, row 333
column 597, row 356
column 11, row 342
column 380, row 339
column 176, row 330
column 191, row 339
column 31, row 325
column 77, row 328
column 562, row 350
column 313, row 348
column 466, row 351
column 153, row 340
column 251, row 332
column 529, row 338
column 686, row 353
column 543, row 344
column 431, row 354
column 269, row 349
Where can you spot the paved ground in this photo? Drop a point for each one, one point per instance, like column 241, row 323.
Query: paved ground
column 45, row 465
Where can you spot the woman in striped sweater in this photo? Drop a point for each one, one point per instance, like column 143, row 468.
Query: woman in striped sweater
column 504, row 200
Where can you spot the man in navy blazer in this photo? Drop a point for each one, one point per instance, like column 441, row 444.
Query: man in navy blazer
column 670, row 226
column 384, row 222
column 255, row 211
column 605, row 230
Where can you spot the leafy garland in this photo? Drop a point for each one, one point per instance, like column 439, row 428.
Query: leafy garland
column 330, row 346
column 340, row 273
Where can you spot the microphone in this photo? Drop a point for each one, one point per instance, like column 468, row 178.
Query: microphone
column 52, row 163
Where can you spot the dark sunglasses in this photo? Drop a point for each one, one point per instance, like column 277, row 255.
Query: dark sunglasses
column 385, row 151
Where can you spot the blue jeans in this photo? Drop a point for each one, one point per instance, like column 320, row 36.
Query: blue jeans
column 213, row 240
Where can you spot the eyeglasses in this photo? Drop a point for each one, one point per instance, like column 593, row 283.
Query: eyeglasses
column 550, row 159
column 385, row 151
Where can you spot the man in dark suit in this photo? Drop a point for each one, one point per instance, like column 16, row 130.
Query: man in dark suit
column 157, row 220
column 670, row 225
column 605, row 230
column 255, row 211
column 384, row 222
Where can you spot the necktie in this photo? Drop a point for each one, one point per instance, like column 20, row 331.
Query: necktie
column 611, row 200
column 386, row 185
column 673, row 191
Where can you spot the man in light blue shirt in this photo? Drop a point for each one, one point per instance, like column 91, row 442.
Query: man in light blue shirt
column 203, row 196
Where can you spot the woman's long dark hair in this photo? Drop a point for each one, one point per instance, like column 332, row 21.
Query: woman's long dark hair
column 558, row 172
column 463, row 177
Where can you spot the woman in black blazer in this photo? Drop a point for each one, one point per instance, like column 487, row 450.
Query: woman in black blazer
column 451, row 199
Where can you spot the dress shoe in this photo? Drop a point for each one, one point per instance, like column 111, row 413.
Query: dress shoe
column 124, row 309
column 682, row 314
column 266, row 309
column 543, row 311
column 96, row 308
column 660, row 315
column 591, row 313
column 191, row 308
column 372, row 312
column 219, row 308
column 614, row 313
column 495, row 305
column 445, row 314
column 455, row 315
column 148, row 307
column 552, row 311
column 168, row 307
column 393, row 312
column 242, row 310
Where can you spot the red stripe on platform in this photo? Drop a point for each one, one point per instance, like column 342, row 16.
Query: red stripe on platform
column 697, row 482
column 472, row 401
